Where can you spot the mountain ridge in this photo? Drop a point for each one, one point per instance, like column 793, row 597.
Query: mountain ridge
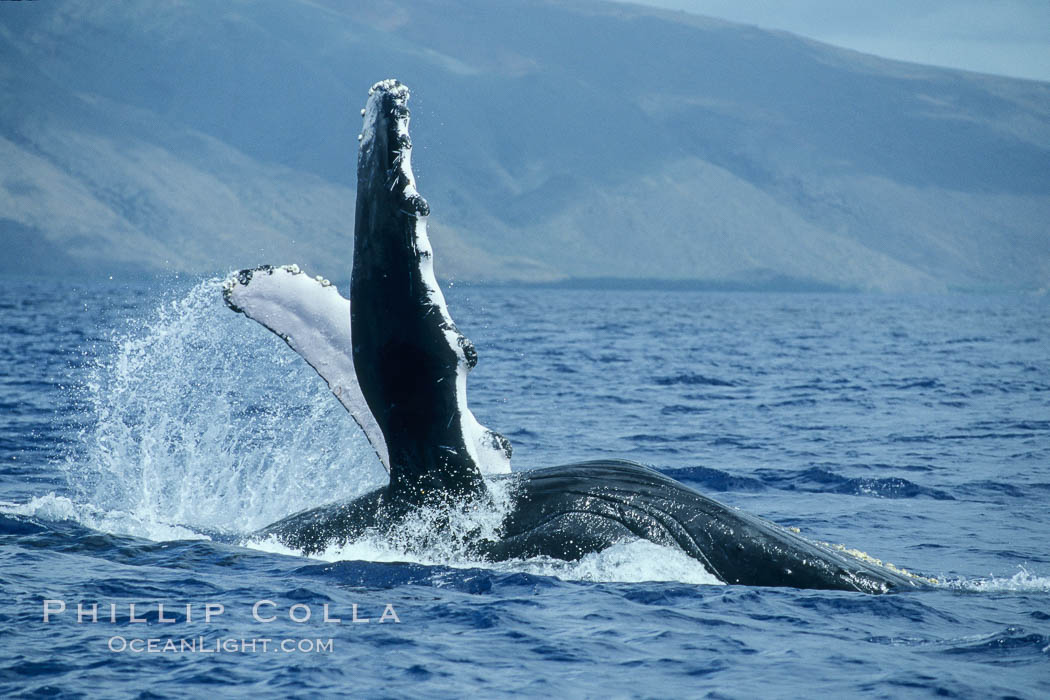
column 554, row 141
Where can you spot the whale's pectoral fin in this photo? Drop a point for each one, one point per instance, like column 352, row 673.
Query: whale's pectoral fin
column 314, row 319
column 411, row 360
column 311, row 316
column 394, row 358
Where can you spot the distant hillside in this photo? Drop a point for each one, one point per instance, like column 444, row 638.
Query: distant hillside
column 553, row 140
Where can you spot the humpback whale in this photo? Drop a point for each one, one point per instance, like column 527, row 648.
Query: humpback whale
column 393, row 356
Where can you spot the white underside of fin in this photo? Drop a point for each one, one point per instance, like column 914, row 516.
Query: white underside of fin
column 311, row 316
column 314, row 319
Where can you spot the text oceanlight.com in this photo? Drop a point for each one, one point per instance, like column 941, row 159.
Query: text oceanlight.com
column 230, row 645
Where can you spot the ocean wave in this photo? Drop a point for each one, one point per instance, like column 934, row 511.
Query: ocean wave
column 812, row 480
column 692, row 379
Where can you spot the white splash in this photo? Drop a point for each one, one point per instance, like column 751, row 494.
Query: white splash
column 415, row 540
column 202, row 421
column 635, row 561
column 55, row 508
column 1024, row 581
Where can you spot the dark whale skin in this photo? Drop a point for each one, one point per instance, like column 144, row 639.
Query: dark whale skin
column 407, row 351
column 568, row 511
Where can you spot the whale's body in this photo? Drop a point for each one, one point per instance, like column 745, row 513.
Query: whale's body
column 569, row 511
column 410, row 364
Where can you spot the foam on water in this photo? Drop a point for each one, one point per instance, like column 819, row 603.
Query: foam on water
column 628, row 562
column 54, row 508
column 1024, row 581
column 203, row 421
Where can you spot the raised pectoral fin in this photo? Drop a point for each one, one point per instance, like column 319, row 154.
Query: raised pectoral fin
column 412, row 361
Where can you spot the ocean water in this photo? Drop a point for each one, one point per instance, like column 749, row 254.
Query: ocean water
column 144, row 429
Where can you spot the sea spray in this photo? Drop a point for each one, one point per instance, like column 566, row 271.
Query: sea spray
column 205, row 421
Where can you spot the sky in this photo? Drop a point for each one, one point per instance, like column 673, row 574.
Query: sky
column 1004, row 37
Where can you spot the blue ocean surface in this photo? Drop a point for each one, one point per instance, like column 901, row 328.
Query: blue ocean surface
column 145, row 430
